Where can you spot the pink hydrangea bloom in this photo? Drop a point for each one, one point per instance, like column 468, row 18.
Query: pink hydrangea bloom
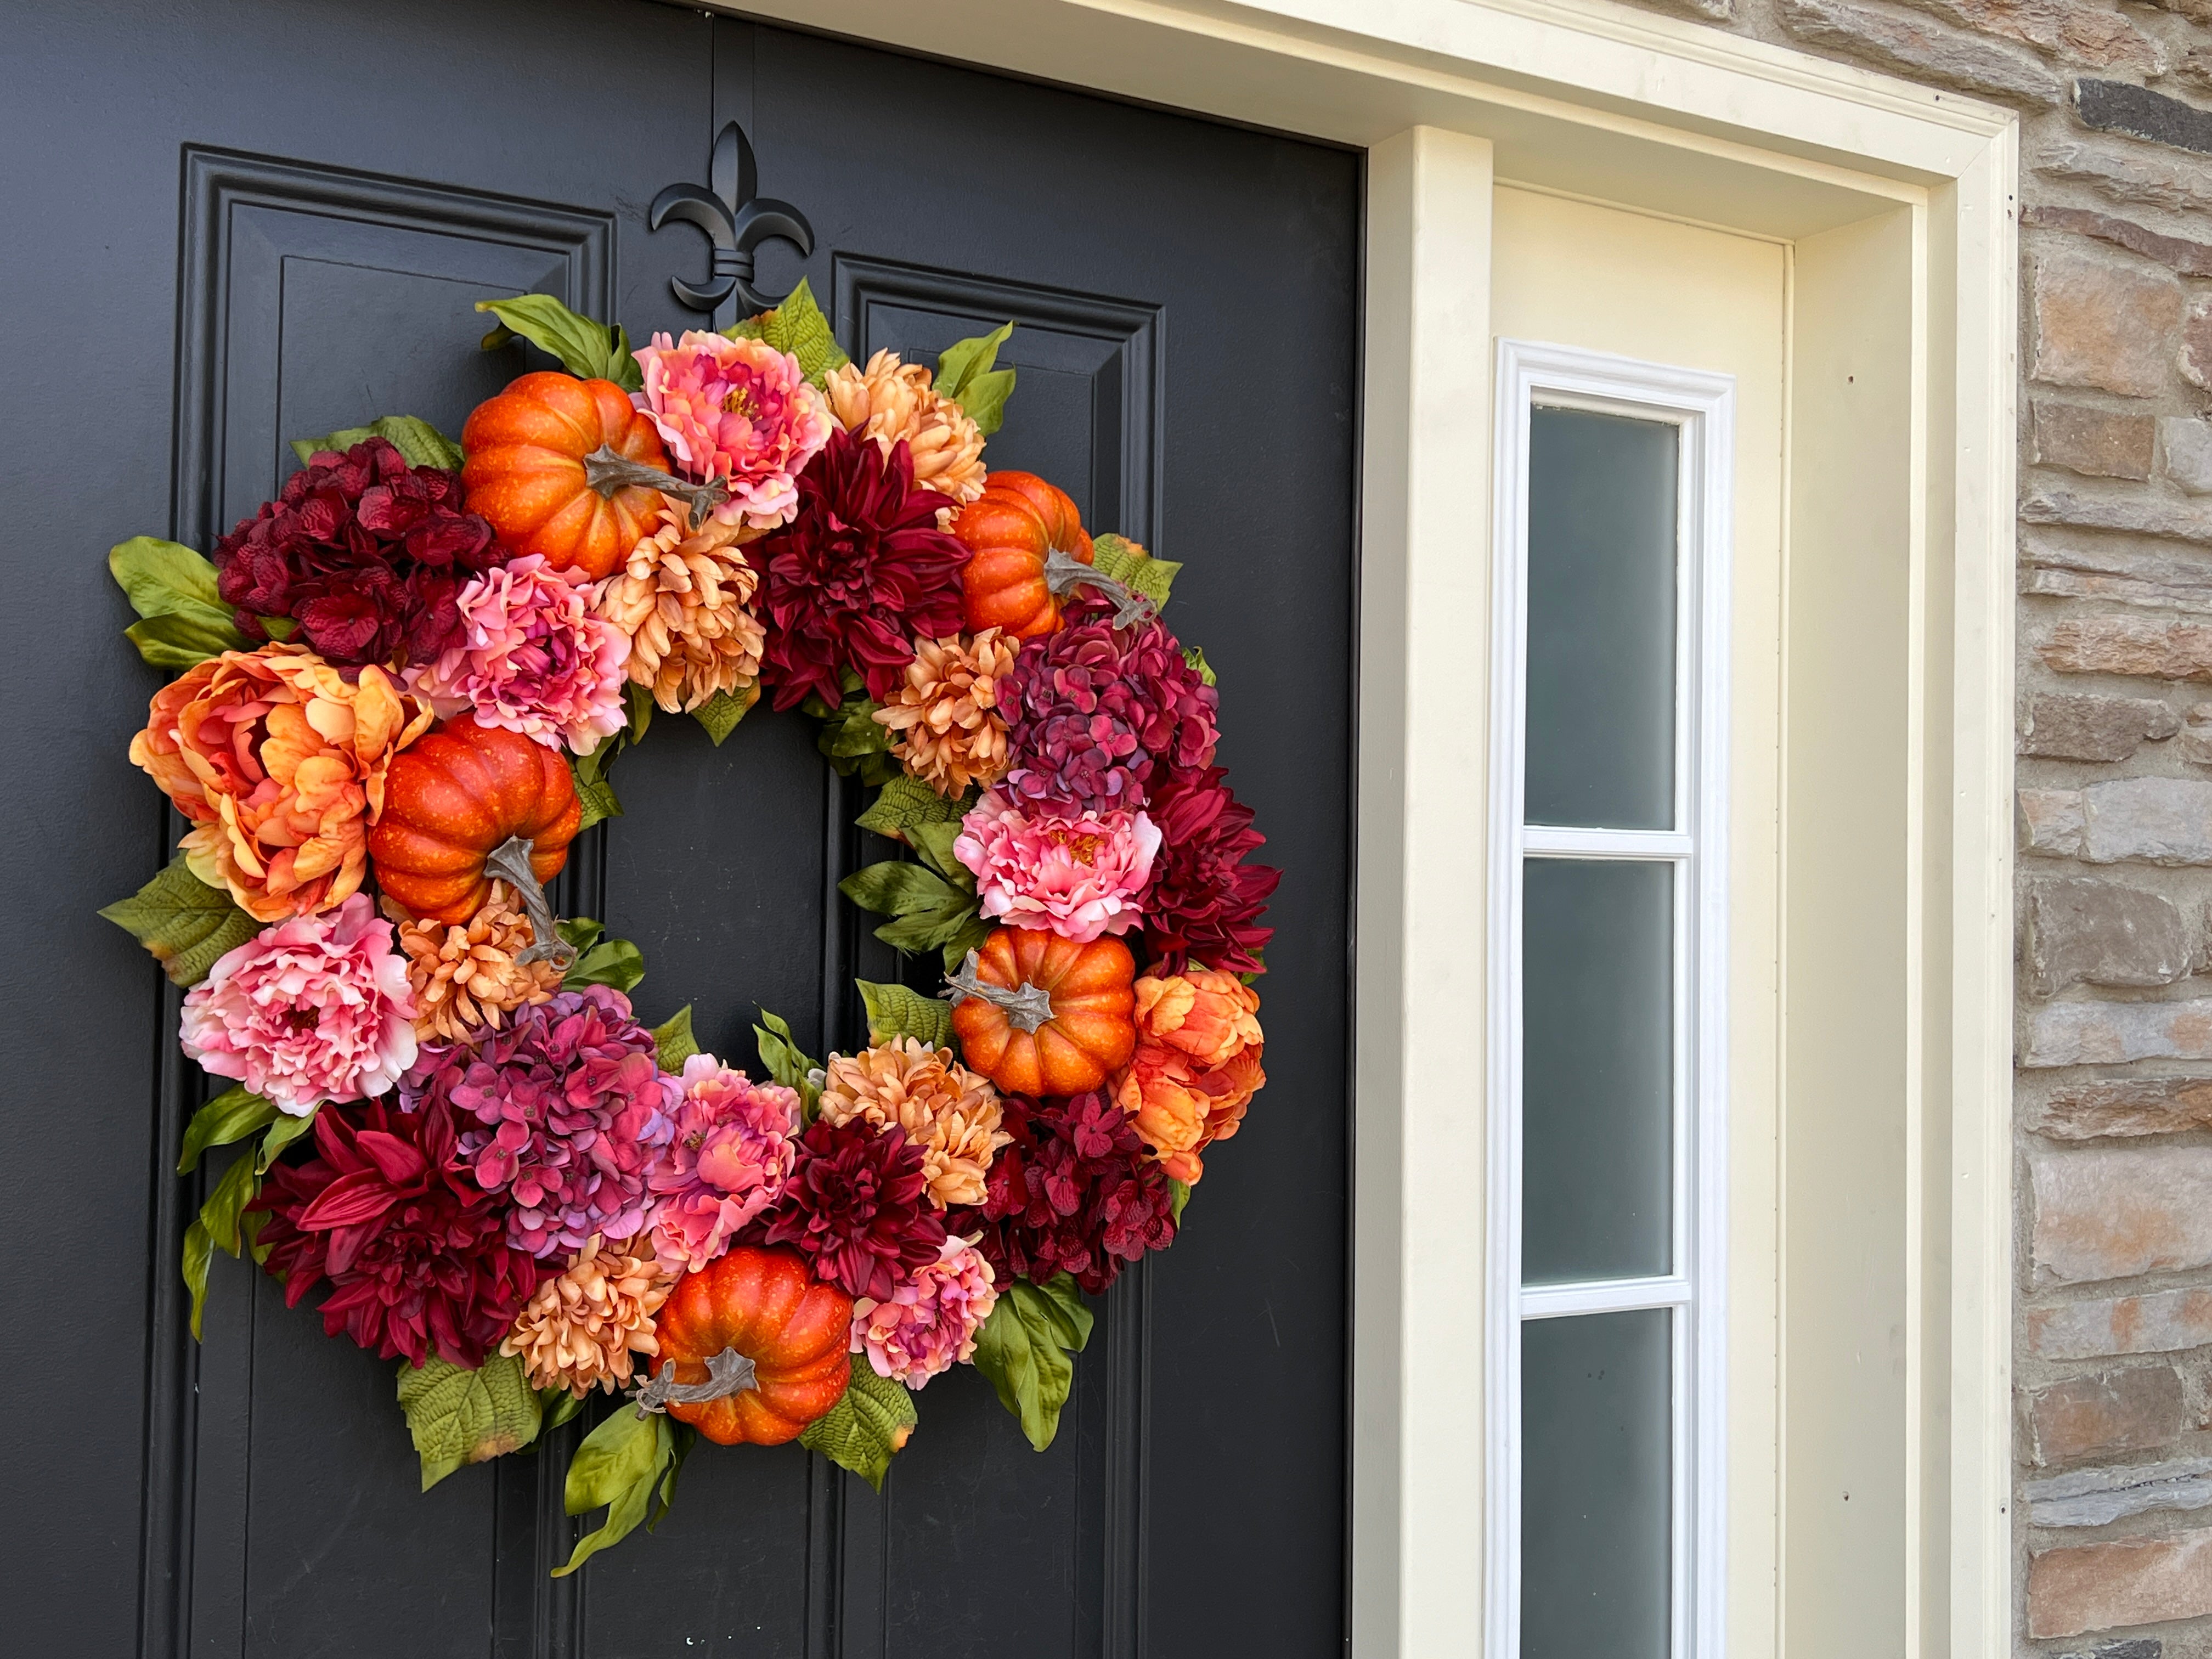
column 929, row 1324
column 739, row 410
column 727, row 1161
column 534, row 656
column 314, row 1009
column 1078, row 877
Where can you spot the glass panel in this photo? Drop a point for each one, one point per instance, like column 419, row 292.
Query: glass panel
column 1596, row 1501
column 1597, row 960
column 1601, row 733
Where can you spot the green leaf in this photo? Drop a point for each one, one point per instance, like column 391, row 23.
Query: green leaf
column 906, row 801
column 720, row 712
column 178, row 641
column 675, row 1039
column 898, row 889
column 185, row 923
column 282, row 1133
column 582, row 932
column 614, row 961
column 1178, row 1195
column 559, row 1406
column 593, row 351
column 933, row 843
column 1127, row 563
column 799, row 327
column 896, row 1010
column 1196, row 658
column 1027, row 1348
column 182, row 619
column 619, row 1465
column 422, row 444
column 233, row 1116
column 851, row 736
column 219, row 1214
column 972, row 933
column 786, row 1062
column 663, row 1496
column 593, row 792
column 199, row 1252
column 866, row 1427
column 459, row 1417
column 965, row 374
column 639, row 702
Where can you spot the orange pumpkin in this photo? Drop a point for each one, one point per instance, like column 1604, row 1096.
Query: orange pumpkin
column 793, row 1326
column 1087, row 1032
column 524, row 470
column 1009, row 530
column 451, row 798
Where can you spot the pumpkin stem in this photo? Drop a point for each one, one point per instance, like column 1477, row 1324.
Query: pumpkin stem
column 1064, row 573
column 728, row 1373
column 606, row 472
column 510, row 862
column 1026, row 1007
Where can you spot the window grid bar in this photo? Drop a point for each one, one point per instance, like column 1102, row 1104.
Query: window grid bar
column 1605, row 1296
column 1544, row 838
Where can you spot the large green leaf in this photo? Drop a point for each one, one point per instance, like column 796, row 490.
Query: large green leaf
column 599, row 961
column 932, row 844
column 219, row 1212
column 862, row 1430
column 231, row 1116
column 965, row 374
column 851, row 737
column 422, row 444
column 181, row 641
column 459, row 1417
column 282, row 1133
column 720, row 712
column 182, row 619
column 676, row 1044
column 199, row 1254
column 906, row 801
column 927, row 912
column 594, row 792
column 185, row 923
column 664, row 1489
column 1127, row 563
column 590, row 350
column 786, row 1062
column 896, row 1010
column 1027, row 1347
column 617, row 1466
column 799, row 327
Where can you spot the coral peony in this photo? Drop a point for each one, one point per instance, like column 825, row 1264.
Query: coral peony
column 471, row 972
column 859, row 572
column 532, row 657
column 366, row 553
column 727, row 1160
column 1196, row 1065
column 279, row 762
column 579, row 1331
column 681, row 599
column 416, row 1253
column 1205, row 901
column 561, row 1113
column 893, row 402
column 316, row 1008
column 1079, row 877
column 738, row 411
column 928, row 1324
column 944, row 1109
column 943, row 720
column 857, row 1208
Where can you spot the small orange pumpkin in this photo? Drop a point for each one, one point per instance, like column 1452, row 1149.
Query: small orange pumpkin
column 451, row 798
column 524, row 470
column 1008, row 531
column 1070, row 1038
column 793, row 1326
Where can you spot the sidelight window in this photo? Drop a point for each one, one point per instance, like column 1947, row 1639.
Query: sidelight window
column 1606, row 1355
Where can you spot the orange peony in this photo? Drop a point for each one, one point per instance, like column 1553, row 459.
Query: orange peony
column 1196, row 1065
column 278, row 761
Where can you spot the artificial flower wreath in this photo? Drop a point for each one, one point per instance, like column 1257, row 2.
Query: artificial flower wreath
column 409, row 674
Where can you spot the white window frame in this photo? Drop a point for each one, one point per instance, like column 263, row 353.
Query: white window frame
column 1701, row 406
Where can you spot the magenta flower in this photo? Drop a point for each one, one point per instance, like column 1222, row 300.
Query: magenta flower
column 1076, row 876
column 317, row 1008
column 727, row 1161
column 738, row 411
column 929, row 1323
column 533, row 657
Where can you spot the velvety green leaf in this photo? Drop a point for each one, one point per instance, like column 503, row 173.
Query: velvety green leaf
column 1179, row 1195
column 720, row 712
column 786, row 1062
column 799, row 327
column 233, row 1116
column 1196, row 658
column 586, row 348
column 595, row 795
column 185, row 923
column 581, row 932
column 926, row 930
column 559, row 1406
column 282, row 1133
column 422, row 444
column 161, row 577
column 683, row 1437
column 966, row 375
column 219, row 1214
column 179, row 641
column 618, row 1465
column 862, row 1430
column 897, row 889
column 675, row 1039
column 970, row 937
column 896, row 1010
column 279, row 628
column 614, row 961
column 933, row 843
column 985, row 399
column 851, row 730
column 1127, row 563
column 905, row 801
column 199, row 1252
column 459, row 1417
column 1027, row 1348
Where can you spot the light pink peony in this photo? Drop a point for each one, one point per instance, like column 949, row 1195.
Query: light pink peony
column 730, row 1154
column 534, row 657
column 1078, row 877
column 739, row 410
column 313, row 1009
column 929, row 1324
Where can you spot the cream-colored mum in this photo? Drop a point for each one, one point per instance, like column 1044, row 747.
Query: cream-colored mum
column 944, row 719
column 467, row 974
column 680, row 597
column 946, row 1109
column 579, row 1331
column 890, row 400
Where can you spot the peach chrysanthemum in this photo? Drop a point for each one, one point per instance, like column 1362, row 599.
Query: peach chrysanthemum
column 580, row 1328
column 890, row 400
column 468, row 975
column 944, row 1109
column 944, row 718
column 680, row 597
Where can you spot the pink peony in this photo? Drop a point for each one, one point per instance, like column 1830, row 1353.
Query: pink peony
column 730, row 1156
column 739, row 410
column 1078, row 877
column 532, row 657
column 314, row 1009
column 929, row 1324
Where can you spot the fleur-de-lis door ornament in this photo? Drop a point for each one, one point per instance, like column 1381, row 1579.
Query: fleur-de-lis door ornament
column 737, row 221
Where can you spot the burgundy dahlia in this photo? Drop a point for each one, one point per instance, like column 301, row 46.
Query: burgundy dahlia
column 1075, row 1192
column 1100, row 715
column 367, row 554
column 415, row 1251
column 563, row 1111
column 859, row 572
column 1204, row 903
column 858, row 1207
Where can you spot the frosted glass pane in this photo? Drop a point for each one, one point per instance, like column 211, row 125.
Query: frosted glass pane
column 1597, row 1086
column 1600, row 732
column 1595, row 1503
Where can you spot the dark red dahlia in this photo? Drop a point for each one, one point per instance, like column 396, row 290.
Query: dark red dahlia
column 415, row 1251
column 1204, row 903
column 856, row 575
column 367, row 554
column 857, row 1206
column 1075, row 1192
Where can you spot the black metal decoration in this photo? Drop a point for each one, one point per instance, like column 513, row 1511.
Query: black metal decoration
column 736, row 221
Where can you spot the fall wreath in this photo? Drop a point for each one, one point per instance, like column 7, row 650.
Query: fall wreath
column 409, row 676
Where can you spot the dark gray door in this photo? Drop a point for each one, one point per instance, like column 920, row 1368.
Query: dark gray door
column 243, row 221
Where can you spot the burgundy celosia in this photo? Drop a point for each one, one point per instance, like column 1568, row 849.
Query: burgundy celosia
column 858, row 1207
column 416, row 1253
column 563, row 1111
column 367, row 554
column 857, row 572
column 1075, row 1192
column 1204, row 903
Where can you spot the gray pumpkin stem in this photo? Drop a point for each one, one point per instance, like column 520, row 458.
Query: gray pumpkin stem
column 1026, row 1007
column 728, row 1373
column 1064, row 573
column 510, row 862
column 606, row 472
